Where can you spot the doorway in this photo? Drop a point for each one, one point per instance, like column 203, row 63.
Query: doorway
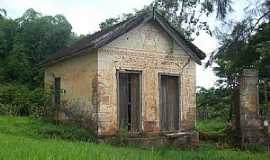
column 169, row 103
column 129, row 101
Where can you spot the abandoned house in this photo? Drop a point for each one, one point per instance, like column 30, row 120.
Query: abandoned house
column 138, row 75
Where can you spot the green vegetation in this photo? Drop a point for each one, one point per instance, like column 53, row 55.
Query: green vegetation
column 27, row 41
column 17, row 99
column 211, row 125
column 184, row 16
column 22, row 49
column 244, row 44
column 213, row 103
column 26, row 138
column 36, row 129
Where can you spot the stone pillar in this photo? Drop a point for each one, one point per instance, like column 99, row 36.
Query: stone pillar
column 250, row 124
column 268, row 113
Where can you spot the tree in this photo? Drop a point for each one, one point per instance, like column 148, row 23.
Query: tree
column 8, row 30
column 256, row 13
column 3, row 12
column 243, row 53
column 26, row 41
column 213, row 103
column 112, row 21
column 108, row 23
column 254, row 53
column 246, row 46
column 189, row 16
column 184, row 15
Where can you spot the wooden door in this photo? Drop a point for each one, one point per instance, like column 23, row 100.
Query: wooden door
column 129, row 101
column 169, row 103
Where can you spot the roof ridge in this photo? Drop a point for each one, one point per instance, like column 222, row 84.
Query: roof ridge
column 103, row 37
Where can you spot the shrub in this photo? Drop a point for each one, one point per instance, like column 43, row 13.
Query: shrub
column 121, row 138
column 67, row 131
column 40, row 103
column 216, row 125
column 18, row 100
column 8, row 109
column 254, row 148
column 15, row 98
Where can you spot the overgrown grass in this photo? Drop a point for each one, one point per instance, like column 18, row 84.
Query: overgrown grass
column 33, row 128
column 211, row 125
column 20, row 139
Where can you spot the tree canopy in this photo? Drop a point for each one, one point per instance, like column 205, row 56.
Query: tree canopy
column 187, row 16
column 26, row 41
column 245, row 46
column 213, row 103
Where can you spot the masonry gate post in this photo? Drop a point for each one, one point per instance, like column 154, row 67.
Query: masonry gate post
column 268, row 113
column 268, row 85
column 250, row 124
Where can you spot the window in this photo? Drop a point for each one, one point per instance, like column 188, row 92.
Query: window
column 57, row 91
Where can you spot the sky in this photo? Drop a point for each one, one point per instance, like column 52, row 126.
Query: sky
column 85, row 16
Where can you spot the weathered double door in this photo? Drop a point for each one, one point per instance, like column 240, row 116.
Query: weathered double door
column 129, row 101
column 169, row 103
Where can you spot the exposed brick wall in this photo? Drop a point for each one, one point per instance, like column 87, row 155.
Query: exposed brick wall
column 150, row 50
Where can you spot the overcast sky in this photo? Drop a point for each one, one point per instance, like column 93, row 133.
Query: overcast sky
column 85, row 15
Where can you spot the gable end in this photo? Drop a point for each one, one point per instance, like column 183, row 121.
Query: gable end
column 101, row 38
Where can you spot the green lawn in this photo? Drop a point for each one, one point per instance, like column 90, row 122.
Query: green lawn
column 25, row 138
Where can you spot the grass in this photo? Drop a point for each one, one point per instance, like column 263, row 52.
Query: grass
column 211, row 125
column 20, row 138
column 33, row 128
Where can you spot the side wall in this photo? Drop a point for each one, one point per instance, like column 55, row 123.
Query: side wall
column 78, row 86
column 148, row 49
